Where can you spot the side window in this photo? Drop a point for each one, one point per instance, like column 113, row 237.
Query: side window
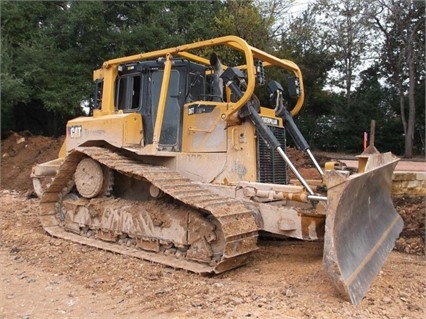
column 197, row 85
column 128, row 92
column 97, row 102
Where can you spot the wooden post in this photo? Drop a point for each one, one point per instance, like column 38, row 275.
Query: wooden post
column 372, row 132
column 365, row 140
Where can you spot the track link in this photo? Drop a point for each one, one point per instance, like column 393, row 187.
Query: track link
column 235, row 220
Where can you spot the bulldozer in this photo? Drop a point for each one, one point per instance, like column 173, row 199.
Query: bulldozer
column 180, row 164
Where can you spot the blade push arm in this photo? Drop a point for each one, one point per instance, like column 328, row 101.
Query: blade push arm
column 233, row 77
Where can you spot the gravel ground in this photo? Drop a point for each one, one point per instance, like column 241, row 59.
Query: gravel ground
column 45, row 277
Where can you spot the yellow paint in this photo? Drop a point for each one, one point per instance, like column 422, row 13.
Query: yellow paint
column 120, row 130
column 204, row 132
column 219, row 136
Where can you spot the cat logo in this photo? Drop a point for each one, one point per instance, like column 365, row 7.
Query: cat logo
column 75, row 131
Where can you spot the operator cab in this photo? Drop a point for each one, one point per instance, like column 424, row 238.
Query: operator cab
column 138, row 89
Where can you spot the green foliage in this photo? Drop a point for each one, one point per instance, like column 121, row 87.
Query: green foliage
column 49, row 50
column 337, row 121
column 13, row 88
column 242, row 18
column 302, row 45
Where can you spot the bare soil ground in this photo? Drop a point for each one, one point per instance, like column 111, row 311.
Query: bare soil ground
column 45, row 277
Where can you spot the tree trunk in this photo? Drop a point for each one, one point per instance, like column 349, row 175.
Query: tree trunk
column 402, row 105
column 409, row 136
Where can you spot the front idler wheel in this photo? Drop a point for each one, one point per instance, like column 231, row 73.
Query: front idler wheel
column 90, row 178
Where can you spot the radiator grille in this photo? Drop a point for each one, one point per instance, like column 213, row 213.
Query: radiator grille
column 271, row 168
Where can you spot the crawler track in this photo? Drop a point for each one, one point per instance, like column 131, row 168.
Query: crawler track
column 231, row 219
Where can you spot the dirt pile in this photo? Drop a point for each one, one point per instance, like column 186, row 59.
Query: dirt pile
column 412, row 211
column 19, row 153
column 304, row 164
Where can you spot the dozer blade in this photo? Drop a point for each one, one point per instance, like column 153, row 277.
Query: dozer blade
column 361, row 226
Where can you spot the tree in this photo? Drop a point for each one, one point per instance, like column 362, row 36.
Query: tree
column 371, row 101
column 243, row 19
column 300, row 43
column 48, row 53
column 23, row 61
column 13, row 89
column 403, row 26
column 344, row 27
column 273, row 14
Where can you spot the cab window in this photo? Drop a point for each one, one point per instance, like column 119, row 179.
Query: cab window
column 129, row 92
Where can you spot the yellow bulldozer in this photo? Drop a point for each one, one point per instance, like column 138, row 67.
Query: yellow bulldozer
column 179, row 163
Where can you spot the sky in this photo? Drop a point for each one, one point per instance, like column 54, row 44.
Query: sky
column 298, row 6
